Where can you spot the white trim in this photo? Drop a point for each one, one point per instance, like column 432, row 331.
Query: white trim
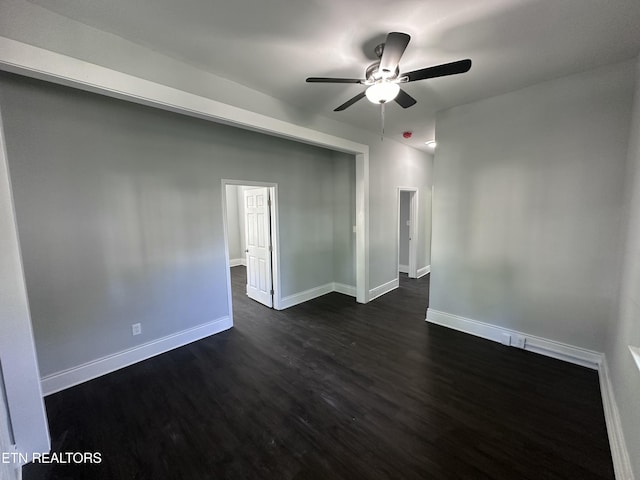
column 414, row 233
column 68, row 378
column 236, row 262
column 225, row 236
column 301, row 297
column 35, row 62
column 635, row 353
column 276, row 284
column 619, row 452
column 362, row 227
column 411, row 269
column 423, row 271
column 563, row 351
column 344, row 289
column 543, row 346
column 384, row 288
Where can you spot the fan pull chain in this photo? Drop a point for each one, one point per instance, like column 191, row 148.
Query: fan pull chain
column 382, row 121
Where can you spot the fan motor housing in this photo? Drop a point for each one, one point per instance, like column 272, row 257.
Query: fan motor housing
column 372, row 73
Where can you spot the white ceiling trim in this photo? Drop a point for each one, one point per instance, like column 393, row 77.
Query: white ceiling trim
column 35, row 62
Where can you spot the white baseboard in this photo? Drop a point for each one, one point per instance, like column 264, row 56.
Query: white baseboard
column 236, row 262
column 561, row 351
column 305, row 296
column 619, row 452
column 384, row 288
column 403, row 268
column 423, row 271
column 543, row 346
column 68, row 378
column 344, row 289
column 301, row 297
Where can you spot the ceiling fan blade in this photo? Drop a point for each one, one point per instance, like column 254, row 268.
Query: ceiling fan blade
column 453, row 68
column 333, row 80
column 350, row 102
column 394, row 47
column 404, row 99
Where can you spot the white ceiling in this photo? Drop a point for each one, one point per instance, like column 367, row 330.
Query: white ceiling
column 273, row 45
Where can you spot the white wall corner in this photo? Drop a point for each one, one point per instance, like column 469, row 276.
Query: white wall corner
column 68, row 378
column 543, row 346
column 403, row 268
column 301, row 297
column 424, row 270
column 619, row 452
column 236, row 262
column 384, row 288
column 344, row 289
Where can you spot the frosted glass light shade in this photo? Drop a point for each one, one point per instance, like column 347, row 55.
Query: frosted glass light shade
column 382, row 92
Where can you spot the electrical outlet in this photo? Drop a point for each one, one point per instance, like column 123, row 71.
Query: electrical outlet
column 519, row 341
column 136, row 329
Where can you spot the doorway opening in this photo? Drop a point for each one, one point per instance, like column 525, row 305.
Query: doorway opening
column 407, row 231
column 251, row 229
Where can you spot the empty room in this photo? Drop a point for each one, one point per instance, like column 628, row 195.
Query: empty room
column 302, row 240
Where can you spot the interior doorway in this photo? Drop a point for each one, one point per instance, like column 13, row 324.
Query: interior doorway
column 408, row 231
column 250, row 212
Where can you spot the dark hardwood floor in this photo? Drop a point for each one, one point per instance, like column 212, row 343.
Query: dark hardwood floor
column 335, row 390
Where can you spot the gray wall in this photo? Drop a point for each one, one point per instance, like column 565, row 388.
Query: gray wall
column 392, row 169
column 625, row 331
column 120, row 217
column 528, row 205
column 344, row 259
column 235, row 223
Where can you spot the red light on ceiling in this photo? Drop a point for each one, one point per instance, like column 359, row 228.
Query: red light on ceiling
column 407, row 134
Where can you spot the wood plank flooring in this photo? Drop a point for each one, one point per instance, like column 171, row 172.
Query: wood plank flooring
column 335, row 390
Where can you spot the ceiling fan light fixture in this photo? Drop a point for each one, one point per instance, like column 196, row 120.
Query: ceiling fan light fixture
column 382, row 92
column 382, row 78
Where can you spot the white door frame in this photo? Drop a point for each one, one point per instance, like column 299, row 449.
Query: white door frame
column 20, row 385
column 275, row 238
column 413, row 229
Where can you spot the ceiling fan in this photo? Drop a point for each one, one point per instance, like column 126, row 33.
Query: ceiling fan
column 383, row 78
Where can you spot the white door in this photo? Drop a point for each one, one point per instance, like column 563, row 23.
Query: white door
column 258, row 248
